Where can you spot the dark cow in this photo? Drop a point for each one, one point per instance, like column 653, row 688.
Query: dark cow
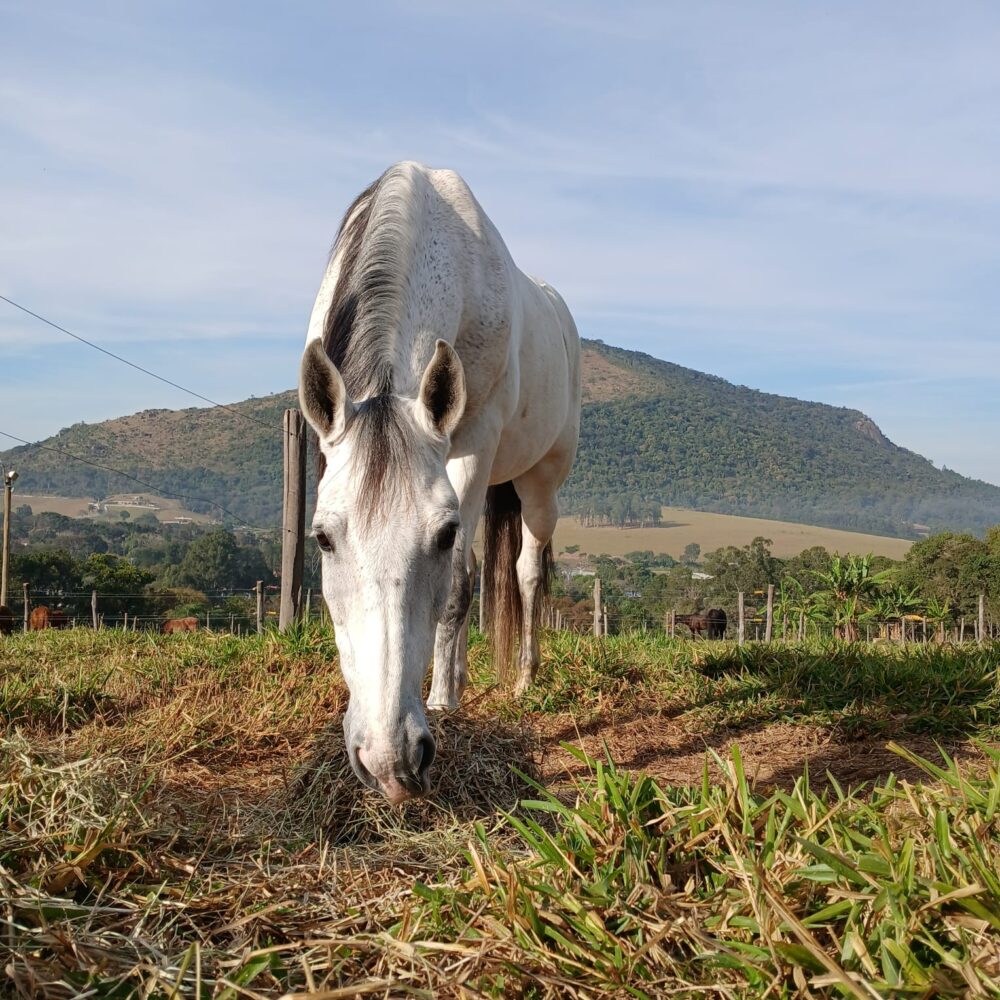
column 43, row 617
column 6, row 620
column 172, row 625
column 709, row 624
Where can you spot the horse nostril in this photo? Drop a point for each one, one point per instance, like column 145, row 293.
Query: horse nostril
column 425, row 754
column 359, row 768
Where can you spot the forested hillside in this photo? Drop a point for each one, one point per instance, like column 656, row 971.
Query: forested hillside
column 704, row 443
column 652, row 433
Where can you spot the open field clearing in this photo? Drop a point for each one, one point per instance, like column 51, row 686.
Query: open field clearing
column 712, row 531
column 179, row 820
column 680, row 527
column 166, row 509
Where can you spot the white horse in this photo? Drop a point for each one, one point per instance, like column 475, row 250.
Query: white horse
column 441, row 382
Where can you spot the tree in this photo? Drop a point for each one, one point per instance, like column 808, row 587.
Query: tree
column 953, row 567
column 805, row 567
column 691, row 553
column 118, row 582
column 216, row 561
column 747, row 568
column 47, row 571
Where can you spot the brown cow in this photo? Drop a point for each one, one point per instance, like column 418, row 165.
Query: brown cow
column 6, row 620
column 43, row 617
column 172, row 625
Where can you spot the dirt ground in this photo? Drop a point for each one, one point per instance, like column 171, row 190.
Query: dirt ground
column 651, row 742
column 773, row 755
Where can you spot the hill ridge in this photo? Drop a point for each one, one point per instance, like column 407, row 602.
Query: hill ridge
column 652, row 433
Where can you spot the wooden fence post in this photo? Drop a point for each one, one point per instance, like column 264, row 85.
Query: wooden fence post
column 598, row 620
column 741, row 629
column 260, row 606
column 27, row 605
column 769, row 628
column 982, row 617
column 93, row 610
column 293, row 518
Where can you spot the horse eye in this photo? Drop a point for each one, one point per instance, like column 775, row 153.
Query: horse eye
column 446, row 536
column 323, row 542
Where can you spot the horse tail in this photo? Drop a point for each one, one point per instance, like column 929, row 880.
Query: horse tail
column 501, row 547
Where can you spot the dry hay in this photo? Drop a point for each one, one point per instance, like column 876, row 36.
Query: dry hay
column 475, row 775
column 115, row 874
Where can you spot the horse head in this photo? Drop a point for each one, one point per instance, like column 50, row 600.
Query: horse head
column 386, row 521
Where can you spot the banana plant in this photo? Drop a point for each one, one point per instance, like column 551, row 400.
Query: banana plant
column 940, row 614
column 796, row 604
column 850, row 587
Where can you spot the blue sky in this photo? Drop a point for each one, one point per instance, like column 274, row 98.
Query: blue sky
column 802, row 198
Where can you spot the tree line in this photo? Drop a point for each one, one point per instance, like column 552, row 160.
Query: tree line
column 940, row 579
column 138, row 565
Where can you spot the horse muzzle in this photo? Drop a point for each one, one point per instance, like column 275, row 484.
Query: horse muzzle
column 399, row 769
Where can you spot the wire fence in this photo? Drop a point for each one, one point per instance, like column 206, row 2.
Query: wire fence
column 245, row 611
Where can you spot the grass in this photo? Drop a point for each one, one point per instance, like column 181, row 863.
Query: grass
column 178, row 819
column 940, row 691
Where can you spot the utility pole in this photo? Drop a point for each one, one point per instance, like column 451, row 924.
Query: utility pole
column 9, row 476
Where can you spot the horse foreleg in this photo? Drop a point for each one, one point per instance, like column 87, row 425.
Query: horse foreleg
column 539, row 513
column 451, row 640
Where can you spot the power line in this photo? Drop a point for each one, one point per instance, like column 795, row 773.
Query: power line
column 132, row 364
column 135, row 479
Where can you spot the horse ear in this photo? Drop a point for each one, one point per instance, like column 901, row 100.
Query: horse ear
column 442, row 389
column 322, row 393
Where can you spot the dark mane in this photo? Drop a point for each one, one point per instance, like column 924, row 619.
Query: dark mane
column 371, row 265
column 357, row 335
column 383, row 446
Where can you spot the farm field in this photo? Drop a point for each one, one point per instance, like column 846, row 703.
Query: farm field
column 167, row 509
column 680, row 527
column 179, row 819
column 712, row 531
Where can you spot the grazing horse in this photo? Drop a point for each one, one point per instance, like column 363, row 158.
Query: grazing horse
column 710, row 624
column 443, row 385
column 6, row 620
column 43, row 617
column 717, row 622
column 172, row 625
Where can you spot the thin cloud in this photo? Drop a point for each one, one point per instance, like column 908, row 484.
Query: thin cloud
column 753, row 190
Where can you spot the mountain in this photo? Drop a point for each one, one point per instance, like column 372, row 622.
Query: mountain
column 694, row 440
column 652, row 433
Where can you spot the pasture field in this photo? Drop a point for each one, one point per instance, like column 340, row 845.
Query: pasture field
column 712, row 531
column 78, row 507
column 655, row 818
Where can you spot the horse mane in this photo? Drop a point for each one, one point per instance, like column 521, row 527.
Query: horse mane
column 359, row 332
column 363, row 320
